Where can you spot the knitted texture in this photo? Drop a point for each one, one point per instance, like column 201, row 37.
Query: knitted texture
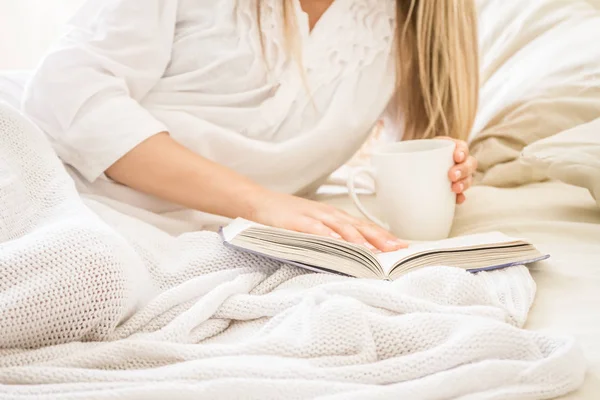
column 98, row 305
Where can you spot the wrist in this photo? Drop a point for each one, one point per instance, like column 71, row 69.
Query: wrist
column 253, row 201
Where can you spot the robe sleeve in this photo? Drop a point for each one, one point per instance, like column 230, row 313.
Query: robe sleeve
column 86, row 92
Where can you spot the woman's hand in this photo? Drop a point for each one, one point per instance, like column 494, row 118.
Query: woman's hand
column 461, row 175
column 302, row 215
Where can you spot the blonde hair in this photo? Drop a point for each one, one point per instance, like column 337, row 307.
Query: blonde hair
column 437, row 65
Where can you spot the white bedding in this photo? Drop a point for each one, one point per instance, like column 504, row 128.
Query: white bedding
column 563, row 220
column 185, row 318
column 12, row 85
column 244, row 327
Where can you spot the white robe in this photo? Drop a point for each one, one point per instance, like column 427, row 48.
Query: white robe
column 126, row 70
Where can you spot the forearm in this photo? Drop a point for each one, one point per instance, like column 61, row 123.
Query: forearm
column 164, row 168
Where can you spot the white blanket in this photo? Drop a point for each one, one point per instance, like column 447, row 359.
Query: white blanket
column 97, row 305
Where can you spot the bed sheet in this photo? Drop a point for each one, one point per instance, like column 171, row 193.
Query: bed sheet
column 561, row 219
column 12, row 84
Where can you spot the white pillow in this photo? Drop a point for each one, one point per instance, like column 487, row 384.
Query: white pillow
column 540, row 76
column 572, row 157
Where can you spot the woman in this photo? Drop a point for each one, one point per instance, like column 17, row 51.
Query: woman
column 242, row 108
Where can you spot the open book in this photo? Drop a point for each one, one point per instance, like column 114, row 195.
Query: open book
column 474, row 253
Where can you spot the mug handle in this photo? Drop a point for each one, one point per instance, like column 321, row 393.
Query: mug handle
column 352, row 191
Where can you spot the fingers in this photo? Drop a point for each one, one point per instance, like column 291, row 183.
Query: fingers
column 315, row 227
column 341, row 231
column 461, row 176
column 351, row 234
column 461, row 153
column 380, row 238
column 462, row 185
column 324, row 220
column 362, row 232
column 463, row 171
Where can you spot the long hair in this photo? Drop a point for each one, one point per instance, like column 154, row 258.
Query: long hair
column 437, row 65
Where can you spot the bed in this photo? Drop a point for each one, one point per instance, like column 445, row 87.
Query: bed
column 95, row 301
column 566, row 222
column 540, row 81
column 561, row 219
column 529, row 94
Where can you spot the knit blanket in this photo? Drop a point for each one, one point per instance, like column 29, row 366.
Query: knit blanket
column 98, row 305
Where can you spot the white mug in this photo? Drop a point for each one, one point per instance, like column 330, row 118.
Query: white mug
column 413, row 189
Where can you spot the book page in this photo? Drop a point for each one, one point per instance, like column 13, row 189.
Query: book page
column 236, row 227
column 327, row 253
column 388, row 260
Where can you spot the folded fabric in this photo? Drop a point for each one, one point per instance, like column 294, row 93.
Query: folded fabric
column 572, row 157
column 540, row 76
